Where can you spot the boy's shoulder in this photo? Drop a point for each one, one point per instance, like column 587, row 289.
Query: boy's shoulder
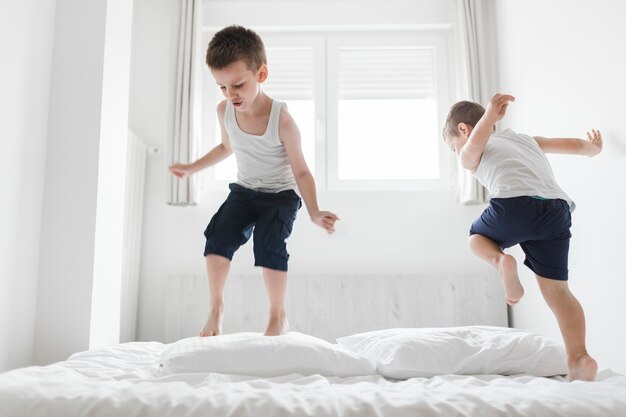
column 221, row 106
column 510, row 134
column 287, row 124
column 508, row 141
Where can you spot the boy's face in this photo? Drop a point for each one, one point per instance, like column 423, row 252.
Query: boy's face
column 239, row 84
column 453, row 144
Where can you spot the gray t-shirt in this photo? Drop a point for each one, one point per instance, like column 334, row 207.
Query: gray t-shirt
column 262, row 162
column 513, row 165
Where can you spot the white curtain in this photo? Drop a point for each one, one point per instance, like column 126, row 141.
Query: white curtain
column 471, row 82
column 186, row 135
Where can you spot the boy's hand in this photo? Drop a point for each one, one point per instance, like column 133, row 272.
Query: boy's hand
column 325, row 219
column 595, row 138
column 496, row 108
column 181, row 170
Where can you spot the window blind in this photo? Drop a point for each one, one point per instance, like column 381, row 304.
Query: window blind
column 291, row 74
column 386, row 72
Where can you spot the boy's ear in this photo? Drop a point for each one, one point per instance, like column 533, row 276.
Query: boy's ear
column 263, row 73
column 464, row 129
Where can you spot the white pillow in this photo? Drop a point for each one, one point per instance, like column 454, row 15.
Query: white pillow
column 266, row 356
column 469, row 350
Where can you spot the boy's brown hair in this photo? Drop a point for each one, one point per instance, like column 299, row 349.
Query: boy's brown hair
column 466, row 112
column 234, row 43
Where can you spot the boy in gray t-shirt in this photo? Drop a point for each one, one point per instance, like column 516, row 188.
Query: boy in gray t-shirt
column 526, row 207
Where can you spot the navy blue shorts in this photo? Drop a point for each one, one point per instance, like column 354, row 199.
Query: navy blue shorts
column 541, row 227
column 271, row 215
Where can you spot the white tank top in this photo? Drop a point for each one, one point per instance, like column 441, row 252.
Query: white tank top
column 513, row 165
column 262, row 163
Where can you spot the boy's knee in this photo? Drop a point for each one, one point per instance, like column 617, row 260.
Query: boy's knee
column 217, row 258
column 553, row 290
column 475, row 240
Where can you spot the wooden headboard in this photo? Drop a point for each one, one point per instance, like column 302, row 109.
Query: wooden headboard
column 330, row 306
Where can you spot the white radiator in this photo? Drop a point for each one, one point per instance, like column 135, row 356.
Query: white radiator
column 133, row 219
column 330, row 306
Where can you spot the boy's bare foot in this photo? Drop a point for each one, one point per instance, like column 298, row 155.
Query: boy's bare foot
column 513, row 290
column 213, row 325
column 277, row 325
column 583, row 368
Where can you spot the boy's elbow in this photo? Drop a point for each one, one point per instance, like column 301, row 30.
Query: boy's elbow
column 300, row 175
column 226, row 149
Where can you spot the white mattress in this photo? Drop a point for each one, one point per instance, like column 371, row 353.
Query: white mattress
column 123, row 381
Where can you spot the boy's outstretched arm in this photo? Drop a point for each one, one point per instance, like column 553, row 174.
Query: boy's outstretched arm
column 215, row 155
column 475, row 145
column 590, row 147
column 290, row 136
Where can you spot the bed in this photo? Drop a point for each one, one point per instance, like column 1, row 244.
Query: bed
column 458, row 371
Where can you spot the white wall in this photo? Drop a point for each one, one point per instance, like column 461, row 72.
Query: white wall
column 153, row 66
column 26, row 42
column 565, row 63
column 81, row 232
column 380, row 232
column 107, row 275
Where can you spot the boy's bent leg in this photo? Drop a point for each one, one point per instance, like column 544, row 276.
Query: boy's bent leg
column 217, row 269
column 276, row 285
column 491, row 252
column 571, row 319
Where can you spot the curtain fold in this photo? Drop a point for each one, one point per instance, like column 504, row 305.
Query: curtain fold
column 186, row 135
column 471, row 84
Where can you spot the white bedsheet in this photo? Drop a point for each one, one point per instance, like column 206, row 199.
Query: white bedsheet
column 123, row 381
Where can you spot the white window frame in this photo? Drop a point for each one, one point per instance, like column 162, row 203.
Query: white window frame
column 326, row 99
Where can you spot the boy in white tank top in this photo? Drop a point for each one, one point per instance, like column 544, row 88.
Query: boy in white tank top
column 526, row 207
column 270, row 164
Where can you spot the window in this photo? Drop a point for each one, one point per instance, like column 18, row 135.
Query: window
column 369, row 106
